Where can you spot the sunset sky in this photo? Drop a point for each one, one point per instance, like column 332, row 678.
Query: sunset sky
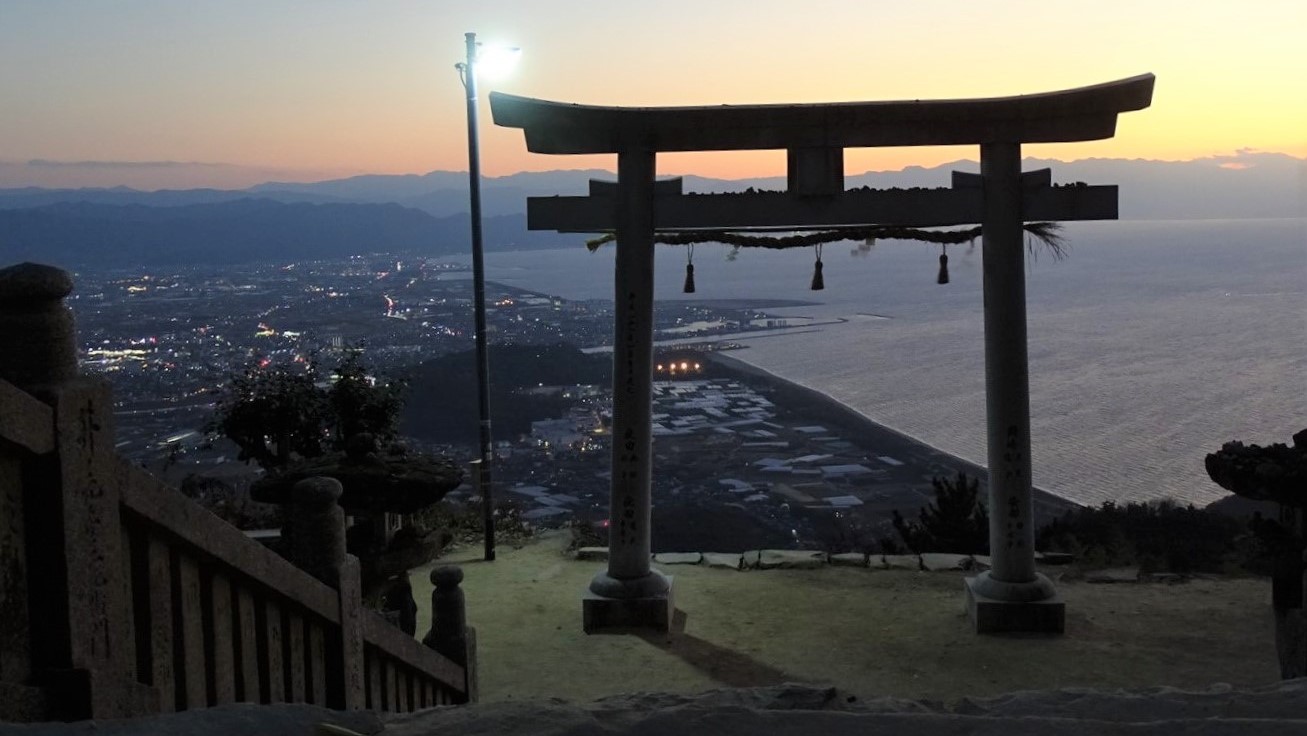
column 306, row 90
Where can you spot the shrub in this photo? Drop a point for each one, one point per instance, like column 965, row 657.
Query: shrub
column 586, row 533
column 465, row 521
column 1161, row 535
column 956, row 521
column 847, row 533
column 277, row 414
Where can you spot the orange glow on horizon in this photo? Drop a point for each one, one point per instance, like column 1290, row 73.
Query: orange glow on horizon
column 371, row 88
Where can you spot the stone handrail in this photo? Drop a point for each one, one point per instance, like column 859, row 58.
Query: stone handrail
column 161, row 508
column 27, row 422
column 121, row 597
column 400, row 670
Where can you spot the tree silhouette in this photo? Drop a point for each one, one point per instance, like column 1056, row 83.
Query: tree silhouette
column 278, row 415
column 956, row 521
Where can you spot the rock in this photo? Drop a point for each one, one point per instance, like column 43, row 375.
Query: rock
column 1113, row 575
column 1162, row 705
column 592, row 554
column 940, row 561
column 723, row 560
column 788, row 696
column 791, row 559
column 795, row 709
column 223, row 720
column 902, row 562
column 1170, row 578
column 678, row 558
column 849, row 559
column 784, row 709
column 749, row 560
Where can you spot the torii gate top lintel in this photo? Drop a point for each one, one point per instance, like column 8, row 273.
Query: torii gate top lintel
column 1081, row 114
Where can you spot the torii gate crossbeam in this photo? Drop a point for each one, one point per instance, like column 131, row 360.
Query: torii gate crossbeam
column 1011, row 596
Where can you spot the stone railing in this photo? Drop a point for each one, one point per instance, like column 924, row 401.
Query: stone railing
column 121, row 597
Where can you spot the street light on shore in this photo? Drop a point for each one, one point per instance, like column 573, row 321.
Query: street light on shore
column 496, row 59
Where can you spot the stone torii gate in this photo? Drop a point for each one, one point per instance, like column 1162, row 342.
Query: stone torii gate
column 1011, row 596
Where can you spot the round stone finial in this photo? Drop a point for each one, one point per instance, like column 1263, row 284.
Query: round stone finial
column 33, row 283
column 38, row 341
column 317, row 490
column 446, row 576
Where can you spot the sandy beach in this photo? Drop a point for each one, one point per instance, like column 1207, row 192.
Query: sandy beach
column 864, row 431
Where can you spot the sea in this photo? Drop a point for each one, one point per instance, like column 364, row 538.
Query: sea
column 1151, row 343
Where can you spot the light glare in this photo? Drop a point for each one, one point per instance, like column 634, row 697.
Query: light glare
column 495, row 61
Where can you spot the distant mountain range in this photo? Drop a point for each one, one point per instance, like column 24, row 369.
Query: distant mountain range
column 426, row 214
column 85, row 234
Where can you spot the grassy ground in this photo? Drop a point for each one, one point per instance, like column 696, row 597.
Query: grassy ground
column 870, row 632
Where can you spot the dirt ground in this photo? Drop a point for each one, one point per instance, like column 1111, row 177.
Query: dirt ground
column 870, row 632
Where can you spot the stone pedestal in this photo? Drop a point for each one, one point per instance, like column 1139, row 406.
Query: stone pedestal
column 996, row 607
column 616, row 605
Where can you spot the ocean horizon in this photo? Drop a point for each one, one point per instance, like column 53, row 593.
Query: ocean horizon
column 1151, row 343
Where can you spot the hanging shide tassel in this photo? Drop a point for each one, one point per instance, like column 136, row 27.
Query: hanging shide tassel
column 818, row 283
column 943, row 267
column 689, row 270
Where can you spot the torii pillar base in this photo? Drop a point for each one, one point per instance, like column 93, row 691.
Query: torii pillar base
column 645, row 606
column 996, row 607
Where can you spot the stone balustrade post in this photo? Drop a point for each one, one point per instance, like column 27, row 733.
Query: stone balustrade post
column 35, row 345
column 450, row 635
column 37, row 337
column 314, row 539
column 314, row 531
column 346, row 685
column 82, row 651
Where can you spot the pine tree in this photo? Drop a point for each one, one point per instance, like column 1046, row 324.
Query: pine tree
column 956, row 521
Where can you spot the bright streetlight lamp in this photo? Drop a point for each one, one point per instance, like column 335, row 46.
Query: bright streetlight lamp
column 496, row 61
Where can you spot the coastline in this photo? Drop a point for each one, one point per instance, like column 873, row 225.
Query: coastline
column 866, row 432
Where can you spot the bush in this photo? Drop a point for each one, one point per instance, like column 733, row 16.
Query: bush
column 227, row 502
column 844, row 532
column 1158, row 536
column 465, row 521
column 278, row 414
column 956, row 521
column 586, row 533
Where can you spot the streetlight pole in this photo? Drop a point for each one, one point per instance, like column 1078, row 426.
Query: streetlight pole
column 467, row 71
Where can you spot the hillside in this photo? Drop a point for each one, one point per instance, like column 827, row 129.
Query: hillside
column 441, row 404
column 1244, row 184
column 426, row 214
column 82, row 234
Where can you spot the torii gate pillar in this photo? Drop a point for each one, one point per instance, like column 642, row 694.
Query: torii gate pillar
column 1011, row 596
column 630, row 594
